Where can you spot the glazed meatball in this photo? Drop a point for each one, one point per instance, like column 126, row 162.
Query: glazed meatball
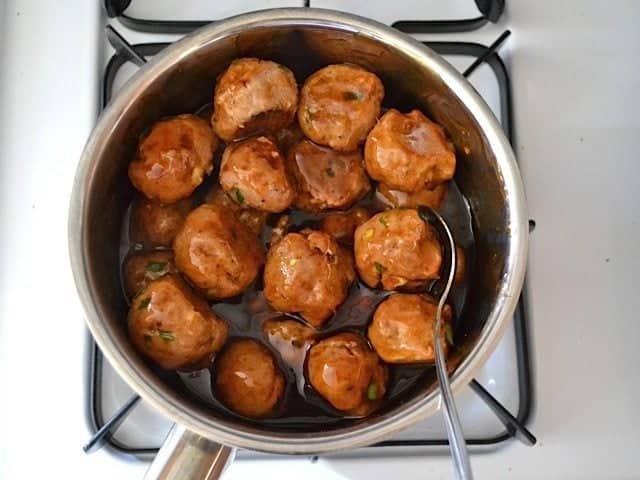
column 253, row 173
column 397, row 248
column 431, row 197
column 253, row 219
column 217, row 252
column 248, row 379
column 172, row 326
column 346, row 373
column 251, row 96
column 342, row 226
column 461, row 266
column 289, row 337
column 339, row 104
column 408, row 152
column 173, row 158
column 402, row 328
column 156, row 225
column 308, row 273
column 325, row 178
column 143, row 268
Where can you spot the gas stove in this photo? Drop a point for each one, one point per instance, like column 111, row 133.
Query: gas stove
column 497, row 406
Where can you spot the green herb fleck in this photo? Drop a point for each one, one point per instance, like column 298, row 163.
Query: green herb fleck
column 239, row 196
column 384, row 219
column 147, row 338
column 379, row 267
column 166, row 336
column 368, row 234
column 330, row 172
column 144, row 303
column 448, row 332
column 350, row 96
column 157, row 267
column 372, row 392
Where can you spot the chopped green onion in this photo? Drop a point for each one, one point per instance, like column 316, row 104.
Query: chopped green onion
column 372, row 392
column 379, row 267
column 384, row 219
column 239, row 196
column 368, row 234
column 144, row 303
column 448, row 332
column 157, row 267
column 166, row 336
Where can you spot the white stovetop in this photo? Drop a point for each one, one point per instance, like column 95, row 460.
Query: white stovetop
column 575, row 79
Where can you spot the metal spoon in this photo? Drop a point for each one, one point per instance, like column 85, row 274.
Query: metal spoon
column 457, row 444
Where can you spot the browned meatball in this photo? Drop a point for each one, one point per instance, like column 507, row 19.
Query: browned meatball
column 248, row 380
column 325, row 178
column 289, row 337
column 339, row 104
column 155, row 224
column 308, row 273
column 461, row 266
column 217, row 252
column 397, row 248
column 253, row 95
column 432, row 197
column 250, row 217
column 173, row 158
column 253, row 173
column 402, row 328
column 344, row 371
column 143, row 268
column 343, row 225
column 408, row 152
column 172, row 326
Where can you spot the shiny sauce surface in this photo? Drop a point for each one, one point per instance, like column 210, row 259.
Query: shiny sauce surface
column 301, row 407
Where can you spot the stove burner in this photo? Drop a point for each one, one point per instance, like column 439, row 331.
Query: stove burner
column 491, row 11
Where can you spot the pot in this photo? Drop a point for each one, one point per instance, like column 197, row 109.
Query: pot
column 180, row 79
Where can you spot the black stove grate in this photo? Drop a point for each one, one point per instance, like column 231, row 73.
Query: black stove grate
column 488, row 11
column 103, row 428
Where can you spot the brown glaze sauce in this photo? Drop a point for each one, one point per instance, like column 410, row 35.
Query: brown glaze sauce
column 301, row 407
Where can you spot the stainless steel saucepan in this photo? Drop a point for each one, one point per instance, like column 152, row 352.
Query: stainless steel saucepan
column 180, row 79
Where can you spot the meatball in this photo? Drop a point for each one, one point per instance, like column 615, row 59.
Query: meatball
column 461, row 266
column 343, row 225
column 408, row 152
column 143, row 268
column 253, row 95
column 253, row 173
column 217, row 252
column 172, row 326
column 339, row 104
column 251, row 218
column 432, row 197
column 155, row 224
column 289, row 337
column 173, row 158
column 308, row 273
column 248, row 379
column 402, row 328
column 397, row 248
column 325, row 178
column 346, row 373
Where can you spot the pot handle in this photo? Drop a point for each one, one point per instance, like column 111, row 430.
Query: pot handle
column 187, row 455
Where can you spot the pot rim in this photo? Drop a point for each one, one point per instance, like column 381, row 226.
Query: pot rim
column 416, row 409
